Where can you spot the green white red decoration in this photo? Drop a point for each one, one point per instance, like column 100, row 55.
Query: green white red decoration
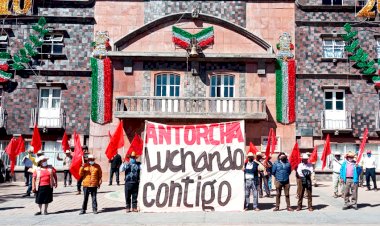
column 4, row 67
column 183, row 38
column 285, row 81
column 376, row 80
column 101, row 98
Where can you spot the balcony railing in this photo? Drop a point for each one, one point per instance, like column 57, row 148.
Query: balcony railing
column 191, row 107
column 340, row 125
column 50, row 121
column 3, row 117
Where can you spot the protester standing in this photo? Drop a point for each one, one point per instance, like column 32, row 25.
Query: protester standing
column 305, row 171
column 336, row 165
column 85, row 160
column 28, row 171
column 263, row 179
column 349, row 173
column 132, row 180
column 115, row 167
column 251, row 174
column 281, row 171
column 66, row 167
column 92, row 179
column 44, row 179
column 370, row 170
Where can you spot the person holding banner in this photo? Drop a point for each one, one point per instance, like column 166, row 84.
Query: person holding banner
column 304, row 171
column 132, row 180
column 92, row 179
column 281, row 171
column 251, row 174
column 349, row 174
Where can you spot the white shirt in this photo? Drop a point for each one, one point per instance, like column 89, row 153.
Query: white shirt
column 249, row 166
column 302, row 166
column 336, row 165
column 369, row 162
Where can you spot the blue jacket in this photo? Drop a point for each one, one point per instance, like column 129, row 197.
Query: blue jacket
column 357, row 172
column 132, row 172
column 281, row 171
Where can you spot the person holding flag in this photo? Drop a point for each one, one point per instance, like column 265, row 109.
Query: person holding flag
column 304, row 171
column 115, row 167
column 349, row 174
column 132, row 180
column 66, row 167
column 336, row 165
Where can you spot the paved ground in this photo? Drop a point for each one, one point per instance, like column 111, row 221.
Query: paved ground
column 64, row 210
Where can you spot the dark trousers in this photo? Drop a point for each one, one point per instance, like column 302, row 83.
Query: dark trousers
column 131, row 191
column 29, row 190
column 263, row 185
column 67, row 177
column 79, row 184
column 87, row 191
column 26, row 175
column 370, row 173
column 309, row 196
column 116, row 171
column 279, row 187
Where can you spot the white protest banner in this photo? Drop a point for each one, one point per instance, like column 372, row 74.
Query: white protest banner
column 192, row 167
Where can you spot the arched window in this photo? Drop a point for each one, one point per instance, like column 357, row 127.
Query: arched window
column 222, row 86
column 167, row 85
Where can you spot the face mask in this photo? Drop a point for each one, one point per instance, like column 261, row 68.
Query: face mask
column 250, row 159
column 44, row 164
column 133, row 160
column 91, row 162
column 369, row 155
column 350, row 160
column 338, row 158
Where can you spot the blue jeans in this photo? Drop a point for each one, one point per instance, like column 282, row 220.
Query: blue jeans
column 29, row 190
column 250, row 186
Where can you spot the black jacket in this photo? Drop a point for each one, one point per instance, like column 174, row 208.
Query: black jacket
column 116, row 161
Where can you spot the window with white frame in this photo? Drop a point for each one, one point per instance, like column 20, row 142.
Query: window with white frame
column 53, row 44
column 333, row 48
column 332, row 2
column 334, row 100
column 50, row 98
column 4, row 43
column 222, row 86
column 167, row 85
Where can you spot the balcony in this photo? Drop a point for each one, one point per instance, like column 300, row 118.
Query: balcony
column 336, row 122
column 250, row 108
column 56, row 119
column 3, row 117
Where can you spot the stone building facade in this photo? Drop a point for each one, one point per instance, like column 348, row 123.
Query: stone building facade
column 332, row 96
column 54, row 92
column 150, row 71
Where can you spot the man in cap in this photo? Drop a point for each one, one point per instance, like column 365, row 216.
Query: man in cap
column 66, row 167
column 281, row 171
column 91, row 173
column 132, row 180
column 251, row 181
column 304, row 171
column 336, row 165
column 349, row 174
column 370, row 170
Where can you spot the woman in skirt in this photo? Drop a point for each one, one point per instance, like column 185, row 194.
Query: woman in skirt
column 44, row 179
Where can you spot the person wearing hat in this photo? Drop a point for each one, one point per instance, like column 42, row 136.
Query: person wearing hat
column 349, row 174
column 336, row 165
column 132, row 180
column 304, row 171
column 281, row 171
column 369, row 163
column 66, row 167
column 263, row 179
column 251, row 176
column 44, row 180
column 91, row 175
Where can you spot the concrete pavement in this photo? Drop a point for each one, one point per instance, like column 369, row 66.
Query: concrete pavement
column 15, row 210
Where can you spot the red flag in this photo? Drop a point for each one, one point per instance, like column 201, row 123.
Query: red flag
column 136, row 146
column 77, row 157
column 20, row 145
column 362, row 145
column 253, row 149
column 267, row 150
column 326, row 151
column 65, row 142
column 116, row 142
column 295, row 157
column 36, row 140
column 314, row 156
column 274, row 142
column 11, row 151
